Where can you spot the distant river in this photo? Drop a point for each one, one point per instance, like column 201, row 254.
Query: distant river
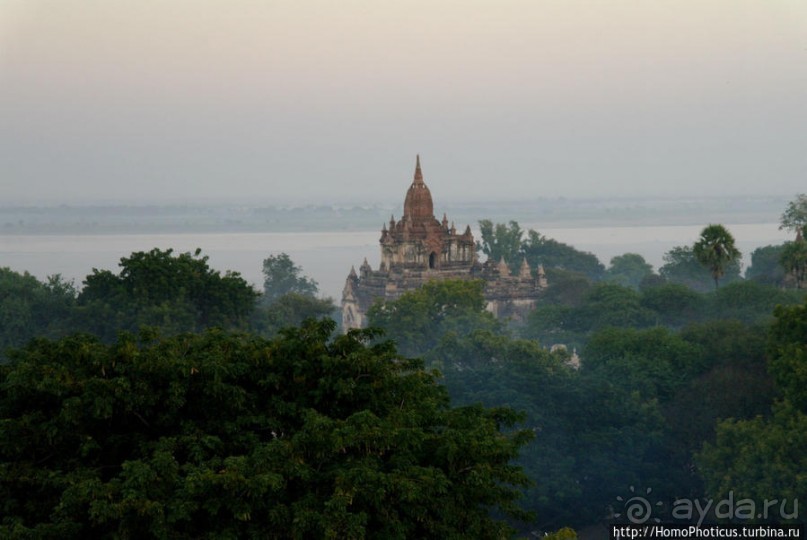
column 328, row 256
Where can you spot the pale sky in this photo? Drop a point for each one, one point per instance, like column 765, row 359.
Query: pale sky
column 303, row 100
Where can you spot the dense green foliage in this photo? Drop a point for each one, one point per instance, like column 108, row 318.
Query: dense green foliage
column 289, row 297
column 672, row 305
column 221, row 435
column 682, row 266
column 794, row 218
column 281, row 277
column 159, row 289
column 501, row 241
column 639, row 409
column 30, row 308
column 506, row 241
column 291, row 309
column 681, row 387
column 628, row 270
column 177, row 293
column 766, row 266
column 421, row 318
column 539, row 249
column 793, row 259
column 763, row 458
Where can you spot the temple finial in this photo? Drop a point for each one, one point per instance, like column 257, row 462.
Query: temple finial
column 504, row 270
column 418, row 172
column 524, row 272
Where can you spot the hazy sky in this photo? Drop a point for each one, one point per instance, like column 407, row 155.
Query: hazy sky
column 168, row 100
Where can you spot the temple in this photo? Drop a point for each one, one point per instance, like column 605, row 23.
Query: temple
column 418, row 248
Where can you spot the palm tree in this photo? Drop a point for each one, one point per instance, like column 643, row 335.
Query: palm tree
column 715, row 250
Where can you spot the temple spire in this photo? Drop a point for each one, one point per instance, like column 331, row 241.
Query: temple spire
column 524, row 272
column 418, row 172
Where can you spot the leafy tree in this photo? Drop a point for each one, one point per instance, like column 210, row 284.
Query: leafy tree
column 760, row 459
column 693, row 379
column 30, row 308
column 730, row 379
column 729, row 342
column 715, row 250
column 794, row 218
column 602, row 305
column 793, row 259
column 590, row 438
column 552, row 320
column 749, row 301
column 788, row 353
column 763, row 458
column 501, row 240
column 419, row 319
column 650, row 281
column 552, row 324
column 563, row 534
column 177, row 293
column 681, row 266
column 653, row 362
column 673, row 304
column 628, row 270
column 231, row 436
column 766, row 266
column 282, row 276
column 607, row 304
column 291, row 309
column 539, row 249
column 565, row 287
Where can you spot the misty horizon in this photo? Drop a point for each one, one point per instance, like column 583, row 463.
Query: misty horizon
column 314, row 101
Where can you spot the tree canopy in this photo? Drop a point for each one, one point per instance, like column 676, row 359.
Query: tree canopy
column 628, row 270
column 539, row 249
column 501, row 241
column 282, row 276
column 506, row 241
column 177, row 293
column 419, row 319
column 224, row 435
column 682, row 267
column 763, row 457
column 794, row 218
column 766, row 266
column 793, row 258
column 30, row 308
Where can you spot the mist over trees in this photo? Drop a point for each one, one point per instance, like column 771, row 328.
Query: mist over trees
column 169, row 399
column 282, row 276
column 289, row 297
column 506, row 241
column 30, row 308
column 732, row 461
column 628, row 270
column 230, row 435
column 636, row 412
column 794, row 218
column 766, row 266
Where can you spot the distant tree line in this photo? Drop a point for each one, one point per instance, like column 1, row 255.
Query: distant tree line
column 651, row 405
column 170, row 400
column 159, row 289
column 711, row 261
